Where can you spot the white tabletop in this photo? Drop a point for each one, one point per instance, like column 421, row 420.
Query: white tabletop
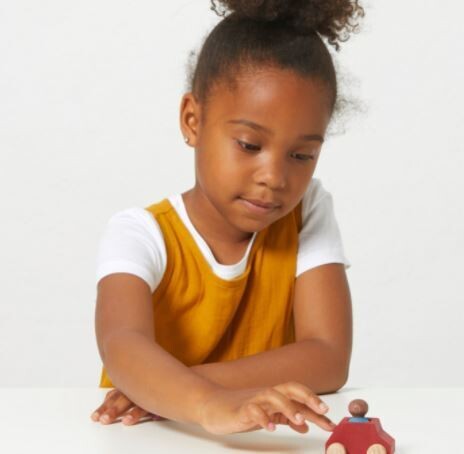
column 57, row 420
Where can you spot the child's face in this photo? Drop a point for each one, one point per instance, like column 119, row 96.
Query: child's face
column 280, row 163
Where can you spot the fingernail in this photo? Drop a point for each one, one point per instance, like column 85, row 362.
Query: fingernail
column 299, row 417
column 332, row 424
column 323, row 406
column 128, row 418
column 271, row 426
column 95, row 415
column 105, row 418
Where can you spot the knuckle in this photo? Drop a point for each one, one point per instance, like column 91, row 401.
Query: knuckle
column 250, row 407
column 255, row 412
column 266, row 391
column 111, row 392
column 263, row 394
column 121, row 401
column 269, row 391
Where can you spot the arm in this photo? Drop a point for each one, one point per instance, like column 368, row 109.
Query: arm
column 320, row 356
column 137, row 365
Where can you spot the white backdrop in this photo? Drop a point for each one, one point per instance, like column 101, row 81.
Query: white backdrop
column 89, row 99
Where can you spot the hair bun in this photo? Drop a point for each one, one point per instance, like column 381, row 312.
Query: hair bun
column 330, row 18
column 255, row 9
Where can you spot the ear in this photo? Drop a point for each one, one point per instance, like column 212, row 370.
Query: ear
column 190, row 118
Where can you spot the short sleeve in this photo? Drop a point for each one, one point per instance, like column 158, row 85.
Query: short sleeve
column 132, row 242
column 320, row 240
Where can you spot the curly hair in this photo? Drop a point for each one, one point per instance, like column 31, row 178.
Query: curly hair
column 333, row 19
column 273, row 33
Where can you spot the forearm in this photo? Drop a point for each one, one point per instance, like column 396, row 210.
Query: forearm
column 154, row 379
column 310, row 362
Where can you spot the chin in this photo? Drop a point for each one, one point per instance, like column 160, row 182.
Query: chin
column 252, row 226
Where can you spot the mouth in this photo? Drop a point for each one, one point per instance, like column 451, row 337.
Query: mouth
column 259, row 206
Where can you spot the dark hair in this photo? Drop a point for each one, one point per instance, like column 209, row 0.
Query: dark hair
column 273, row 33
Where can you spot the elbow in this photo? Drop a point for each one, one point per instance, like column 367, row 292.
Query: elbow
column 334, row 366
column 334, row 385
column 338, row 376
column 339, row 380
column 341, row 368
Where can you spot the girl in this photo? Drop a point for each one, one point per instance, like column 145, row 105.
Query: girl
column 228, row 305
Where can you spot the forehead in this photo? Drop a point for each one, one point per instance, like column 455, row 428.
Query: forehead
column 278, row 98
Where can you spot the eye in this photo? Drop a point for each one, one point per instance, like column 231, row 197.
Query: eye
column 248, row 146
column 303, row 157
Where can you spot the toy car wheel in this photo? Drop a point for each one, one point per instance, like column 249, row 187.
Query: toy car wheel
column 336, row 448
column 376, row 449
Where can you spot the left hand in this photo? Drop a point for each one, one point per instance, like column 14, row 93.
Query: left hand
column 117, row 404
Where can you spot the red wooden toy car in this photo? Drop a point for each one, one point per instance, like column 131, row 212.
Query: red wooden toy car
column 359, row 435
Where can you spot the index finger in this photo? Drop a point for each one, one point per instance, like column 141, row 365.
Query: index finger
column 301, row 393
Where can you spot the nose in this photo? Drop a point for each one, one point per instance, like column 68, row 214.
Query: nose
column 272, row 173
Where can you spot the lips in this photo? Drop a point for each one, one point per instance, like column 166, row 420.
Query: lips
column 262, row 203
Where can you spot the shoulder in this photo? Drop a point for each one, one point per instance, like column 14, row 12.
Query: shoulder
column 132, row 242
column 136, row 219
column 136, row 222
column 320, row 239
column 313, row 196
column 135, row 215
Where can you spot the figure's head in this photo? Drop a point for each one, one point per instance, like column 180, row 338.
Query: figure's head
column 358, row 408
column 260, row 99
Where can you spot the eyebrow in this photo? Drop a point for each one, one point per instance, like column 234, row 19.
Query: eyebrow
column 258, row 127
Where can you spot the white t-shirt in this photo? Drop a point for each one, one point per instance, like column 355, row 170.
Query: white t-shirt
column 133, row 242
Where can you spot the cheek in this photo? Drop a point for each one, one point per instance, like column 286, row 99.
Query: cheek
column 218, row 168
column 236, row 166
column 229, row 164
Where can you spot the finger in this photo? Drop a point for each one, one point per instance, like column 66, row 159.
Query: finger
column 301, row 393
column 256, row 414
column 295, row 411
column 274, row 401
column 134, row 415
column 301, row 428
column 109, row 397
column 279, row 418
column 321, row 420
column 115, row 408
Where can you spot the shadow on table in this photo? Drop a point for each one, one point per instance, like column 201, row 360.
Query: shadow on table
column 255, row 441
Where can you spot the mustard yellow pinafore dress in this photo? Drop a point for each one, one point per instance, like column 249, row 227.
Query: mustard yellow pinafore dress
column 202, row 318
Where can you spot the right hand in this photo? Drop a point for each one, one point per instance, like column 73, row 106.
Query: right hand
column 228, row 411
